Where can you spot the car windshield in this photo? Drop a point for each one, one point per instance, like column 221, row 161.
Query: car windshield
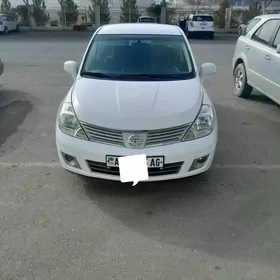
column 145, row 57
column 203, row 18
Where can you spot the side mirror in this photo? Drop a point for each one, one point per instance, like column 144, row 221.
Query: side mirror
column 207, row 69
column 71, row 68
column 278, row 49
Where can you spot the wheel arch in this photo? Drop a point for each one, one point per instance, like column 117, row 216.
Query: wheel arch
column 240, row 59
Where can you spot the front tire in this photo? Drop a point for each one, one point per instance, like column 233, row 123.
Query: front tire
column 211, row 36
column 241, row 87
column 6, row 31
column 239, row 31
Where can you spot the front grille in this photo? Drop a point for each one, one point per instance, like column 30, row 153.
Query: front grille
column 103, row 135
column 116, row 137
column 166, row 136
column 169, row 169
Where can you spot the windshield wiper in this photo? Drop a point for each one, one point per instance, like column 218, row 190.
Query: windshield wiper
column 97, row 75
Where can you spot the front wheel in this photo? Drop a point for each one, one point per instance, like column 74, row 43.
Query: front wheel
column 241, row 87
column 239, row 31
column 6, row 31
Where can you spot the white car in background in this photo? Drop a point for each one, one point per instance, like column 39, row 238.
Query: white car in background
column 146, row 19
column 127, row 100
column 256, row 61
column 7, row 24
column 201, row 24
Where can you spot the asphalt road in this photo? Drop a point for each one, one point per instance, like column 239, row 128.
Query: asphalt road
column 55, row 225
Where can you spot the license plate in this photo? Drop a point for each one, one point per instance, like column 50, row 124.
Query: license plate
column 203, row 24
column 152, row 162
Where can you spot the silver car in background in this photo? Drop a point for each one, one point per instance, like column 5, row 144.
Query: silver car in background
column 256, row 61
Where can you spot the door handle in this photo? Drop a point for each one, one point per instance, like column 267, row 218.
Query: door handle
column 267, row 57
column 247, row 47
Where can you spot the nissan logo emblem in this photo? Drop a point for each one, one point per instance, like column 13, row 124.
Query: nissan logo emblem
column 134, row 140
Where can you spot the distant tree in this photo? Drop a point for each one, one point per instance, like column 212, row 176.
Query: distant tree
column 170, row 13
column 104, row 11
column 254, row 10
column 69, row 12
column 155, row 11
column 39, row 12
column 197, row 4
column 219, row 15
column 129, row 11
column 5, row 7
column 26, row 2
column 21, row 10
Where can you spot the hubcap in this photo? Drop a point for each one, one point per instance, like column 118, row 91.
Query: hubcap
column 239, row 77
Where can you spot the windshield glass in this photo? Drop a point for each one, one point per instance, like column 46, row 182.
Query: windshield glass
column 147, row 19
column 203, row 18
column 133, row 56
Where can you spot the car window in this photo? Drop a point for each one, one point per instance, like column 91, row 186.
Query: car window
column 203, row 18
column 264, row 33
column 124, row 55
column 147, row 19
column 251, row 24
column 10, row 18
column 276, row 40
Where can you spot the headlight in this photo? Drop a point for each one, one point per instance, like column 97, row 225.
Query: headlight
column 203, row 125
column 68, row 122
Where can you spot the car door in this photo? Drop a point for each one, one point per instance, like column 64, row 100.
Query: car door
column 12, row 23
column 256, row 50
column 273, row 68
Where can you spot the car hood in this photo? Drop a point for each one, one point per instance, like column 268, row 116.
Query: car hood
column 136, row 105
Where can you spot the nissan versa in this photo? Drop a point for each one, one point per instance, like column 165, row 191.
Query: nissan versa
column 137, row 91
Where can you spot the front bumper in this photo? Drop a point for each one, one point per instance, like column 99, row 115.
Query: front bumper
column 178, row 157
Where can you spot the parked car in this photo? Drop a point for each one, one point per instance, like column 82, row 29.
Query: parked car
column 127, row 100
column 240, row 27
column 146, row 19
column 1, row 67
column 256, row 60
column 201, row 24
column 7, row 24
column 250, row 24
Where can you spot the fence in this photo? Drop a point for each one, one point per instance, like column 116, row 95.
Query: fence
column 84, row 17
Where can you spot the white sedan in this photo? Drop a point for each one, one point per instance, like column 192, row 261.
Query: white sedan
column 7, row 24
column 137, row 91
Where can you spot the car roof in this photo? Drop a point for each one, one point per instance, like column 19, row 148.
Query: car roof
column 145, row 29
column 201, row 15
column 145, row 17
column 268, row 16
